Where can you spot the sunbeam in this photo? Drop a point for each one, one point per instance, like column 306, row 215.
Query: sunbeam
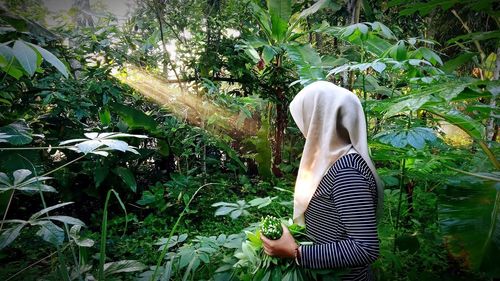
column 189, row 106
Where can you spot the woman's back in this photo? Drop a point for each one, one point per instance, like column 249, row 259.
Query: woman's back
column 341, row 219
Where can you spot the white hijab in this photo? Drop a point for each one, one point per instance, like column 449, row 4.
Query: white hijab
column 332, row 121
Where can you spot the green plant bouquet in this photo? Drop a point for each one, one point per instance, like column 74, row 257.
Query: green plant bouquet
column 253, row 264
column 271, row 228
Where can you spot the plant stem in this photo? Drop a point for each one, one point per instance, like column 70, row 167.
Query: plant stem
column 104, row 229
column 364, row 102
column 165, row 249
column 7, row 209
column 75, row 260
column 35, row 148
column 474, row 174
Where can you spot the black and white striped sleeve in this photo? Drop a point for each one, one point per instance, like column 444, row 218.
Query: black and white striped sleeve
column 353, row 199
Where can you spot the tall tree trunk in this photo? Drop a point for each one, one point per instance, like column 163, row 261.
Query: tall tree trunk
column 213, row 34
column 279, row 131
column 166, row 55
column 354, row 10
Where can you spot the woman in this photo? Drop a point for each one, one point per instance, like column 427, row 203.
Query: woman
column 338, row 195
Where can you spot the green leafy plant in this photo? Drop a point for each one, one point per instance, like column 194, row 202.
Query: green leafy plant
column 235, row 210
column 253, row 264
column 271, row 227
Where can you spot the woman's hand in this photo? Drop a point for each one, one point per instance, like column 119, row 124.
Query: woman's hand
column 283, row 247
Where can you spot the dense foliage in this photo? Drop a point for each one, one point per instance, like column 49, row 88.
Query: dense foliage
column 149, row 148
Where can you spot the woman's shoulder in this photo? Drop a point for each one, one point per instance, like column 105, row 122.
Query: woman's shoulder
column 351, row 161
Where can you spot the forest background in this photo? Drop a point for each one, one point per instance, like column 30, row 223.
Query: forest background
column 145, row 140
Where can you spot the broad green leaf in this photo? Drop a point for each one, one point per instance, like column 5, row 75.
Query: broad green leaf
column 375, row 45
column 134, row 118
column 252, row 53
column 74, row 233
column 466, row 123
column 51, row 233
column 147, row 198
column 268, row 54
column 96, row 140
column 4, row 179
column 115, row 144
column 174, row 240
column 224, row 210
column 349, row 30
column 37, row 187
column 263, row 18
column 237, row 213
column 415, row 140
column 280, row 12
column 426, row 133
column 303, row 55
column 261, row 202
column 84, row 242
column 398, row 51
column 399, row 140
column 384, row 30
column 20, row 175
column 10, row 235
column 307, row 61
column 378, row 66
column 407, row 104
column 66, row 219
column 12, row 65
column 105, row 116
column 123, row 266
column 48, row 209
column 430, row 56
column 187, row 254
column 331, row 61
column 20, row 182
column 267, row 276
column 26, row 56
column 18, row 132
column 89, row 146
column 456, row 62
column 127, row 177
column 218, row 204
column 320, row 4
column 50, row 58
column 476, row 36
column 452, row 91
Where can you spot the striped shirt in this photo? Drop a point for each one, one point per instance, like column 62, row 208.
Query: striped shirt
column 341, row 219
